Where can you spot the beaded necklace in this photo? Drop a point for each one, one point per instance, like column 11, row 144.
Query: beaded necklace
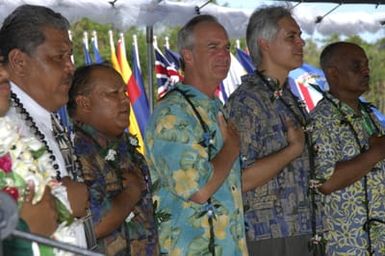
column 20, row 109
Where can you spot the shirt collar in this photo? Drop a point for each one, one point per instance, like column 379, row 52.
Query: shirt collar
column 198, row 95
column 36, row 111
column 102, row 140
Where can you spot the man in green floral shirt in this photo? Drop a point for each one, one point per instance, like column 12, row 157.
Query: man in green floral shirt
column 193, row 154
column 350, row 159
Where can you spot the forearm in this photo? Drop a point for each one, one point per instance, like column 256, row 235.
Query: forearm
column 348, row 172
column 121, row 207
column 264, row 169
column 222, row 164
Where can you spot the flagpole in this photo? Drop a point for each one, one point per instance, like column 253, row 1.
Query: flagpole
column 135, row 44
column 70, row 37
column 150, row 65
column 167, row 42
column 85, row 39
column 95, row 39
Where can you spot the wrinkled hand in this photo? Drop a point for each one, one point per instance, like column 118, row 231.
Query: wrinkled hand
column 41, row 217
column 377, row 146
column 78, row 196
column 295, row 137
column 230, row 135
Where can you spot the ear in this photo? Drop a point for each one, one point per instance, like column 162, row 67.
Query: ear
column 17, row 62
column 332, row 75
column 263, row 44
column 83, row 103
column 332, row 72
column 187, row 56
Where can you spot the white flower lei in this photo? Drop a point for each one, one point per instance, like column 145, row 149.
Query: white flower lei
column 38, row 168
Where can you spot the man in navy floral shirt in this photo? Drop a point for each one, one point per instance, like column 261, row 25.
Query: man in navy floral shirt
column 270, row 119
column 115, row 172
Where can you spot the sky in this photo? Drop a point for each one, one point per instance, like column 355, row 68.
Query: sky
column 349, row 19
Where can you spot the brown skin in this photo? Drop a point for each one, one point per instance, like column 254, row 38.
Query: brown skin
column 33, row 214
column 349, row 74
column 46, row 75
column 4, row 89
column 106, row 108
column 348, row 78
column 206, row 65
column 279, row 56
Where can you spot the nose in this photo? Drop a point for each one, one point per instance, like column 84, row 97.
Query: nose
column 125, row 98
column 4, row 76
column 224, row 51
column 69, row 65
column 300, row 41
column 365, row 70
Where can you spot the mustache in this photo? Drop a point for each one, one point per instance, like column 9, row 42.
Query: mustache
column 68, row 80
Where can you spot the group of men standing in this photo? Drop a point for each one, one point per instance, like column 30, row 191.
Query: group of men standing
column 257, row 176
column 306, row 179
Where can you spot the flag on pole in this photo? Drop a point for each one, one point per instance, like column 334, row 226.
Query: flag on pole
column 245, row 60
column 140, row 104
column 114, row 59
column 87, row 56
column 173, row 57
column 300, row 80
column 132, row 90
column 166, row 73
column 232, row 80
column 94, row 42
column 97, row 56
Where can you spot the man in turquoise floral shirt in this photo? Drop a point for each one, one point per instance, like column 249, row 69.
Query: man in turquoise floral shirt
column 193, row 154
column 350, row 156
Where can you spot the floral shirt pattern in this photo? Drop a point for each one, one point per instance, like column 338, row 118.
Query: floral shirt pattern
column 345, row 209
column 179, row 164
column 103, row 162
column 281, row 207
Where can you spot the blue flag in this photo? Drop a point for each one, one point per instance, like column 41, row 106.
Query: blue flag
column 98, row 58
column 87, row 57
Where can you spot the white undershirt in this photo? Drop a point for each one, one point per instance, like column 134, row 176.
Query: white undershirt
column 42, row 118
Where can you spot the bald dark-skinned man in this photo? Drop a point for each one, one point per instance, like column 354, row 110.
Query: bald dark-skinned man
column 350, row 157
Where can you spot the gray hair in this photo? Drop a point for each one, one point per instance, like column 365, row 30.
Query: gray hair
column 263, row 23
column 185, row 38
column 22, row 29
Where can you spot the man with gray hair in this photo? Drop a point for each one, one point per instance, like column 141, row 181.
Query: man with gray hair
column 37, row 55
column 276, row 164
column 199, row 183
